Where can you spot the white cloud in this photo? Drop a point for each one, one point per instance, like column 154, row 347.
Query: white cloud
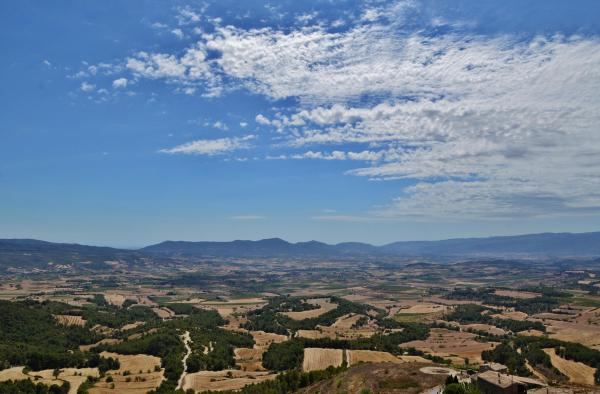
column 186, row 15
column 210, row 147
column 341, row 155
column 481, row 125
column 261, row 119
column 159, row 25
column 220, row 125
column 178, row 33
column 243, row 124
column 120, row 83
column 47, row 63
column 87, row 87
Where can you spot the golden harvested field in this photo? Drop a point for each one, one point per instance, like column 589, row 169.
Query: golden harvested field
column 514, row 315
column 483, row 327
column 517, row 294
column 315, row 334
column 223, row 380
column 370, row 356
column 324, row 304
column 585, row 334
column 115, row 299
column 70, row 320
column 163, row 313
column 105, row 341
column 423, row 308
column 337, row 333
column 140, row 380
column 239, row 305
column 317, row 358
column 577, row 372
column 447, row 343
column 134, row 362
column 262, row 339
column 531, row 333
column 75, row 376
column 346, row 321
column 249, row 359
column 14, row 373
column 131, row 326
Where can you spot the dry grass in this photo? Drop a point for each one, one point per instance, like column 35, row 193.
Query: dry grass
column 317, row 358
column 577, row 372
column 223, row 380
column 325, row 306
column 70, row 320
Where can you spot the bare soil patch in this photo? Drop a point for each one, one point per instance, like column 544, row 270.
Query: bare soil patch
column 379, row 378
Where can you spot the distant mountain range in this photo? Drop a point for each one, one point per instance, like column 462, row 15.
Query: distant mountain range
column 29, row 252
column 546, row 244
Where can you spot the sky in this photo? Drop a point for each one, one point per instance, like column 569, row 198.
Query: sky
column 130, row 123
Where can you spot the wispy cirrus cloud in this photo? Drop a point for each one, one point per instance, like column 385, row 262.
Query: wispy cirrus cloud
column 212, row 147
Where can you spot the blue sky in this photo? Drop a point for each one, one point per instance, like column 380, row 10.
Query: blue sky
column 127, row 123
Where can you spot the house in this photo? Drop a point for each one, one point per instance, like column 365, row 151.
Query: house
column 496, row 367
column 491, row 382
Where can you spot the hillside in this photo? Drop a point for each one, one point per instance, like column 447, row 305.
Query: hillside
column 33, row 253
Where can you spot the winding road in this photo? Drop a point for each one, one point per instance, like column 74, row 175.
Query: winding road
column 186, row 342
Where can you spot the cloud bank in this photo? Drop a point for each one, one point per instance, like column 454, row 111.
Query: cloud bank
column 478, row 126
